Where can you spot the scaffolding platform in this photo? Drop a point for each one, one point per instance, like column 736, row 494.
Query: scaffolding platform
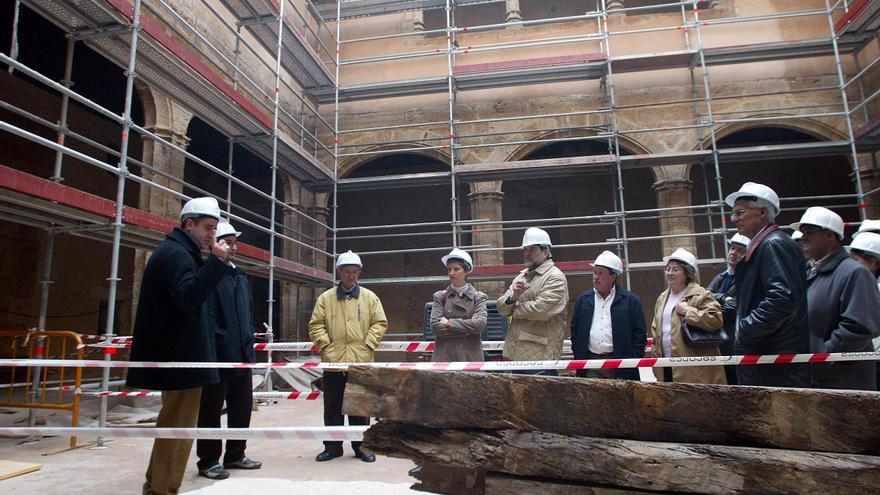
column 862, row 16
column 36, row 202
column 588, row 66
column 165, row 63
column 297, row 57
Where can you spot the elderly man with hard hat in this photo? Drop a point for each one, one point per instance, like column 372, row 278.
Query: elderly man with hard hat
column 724, row 290
column 843, row 302
column 173, row 323
column 608, row 321
column 347, row 325
column 771, row 290
column 232, row 303
column 535, row 303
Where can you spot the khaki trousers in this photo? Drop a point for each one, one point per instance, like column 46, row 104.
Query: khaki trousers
column 180, row 409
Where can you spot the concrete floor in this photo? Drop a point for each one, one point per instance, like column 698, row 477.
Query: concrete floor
column 119, row 468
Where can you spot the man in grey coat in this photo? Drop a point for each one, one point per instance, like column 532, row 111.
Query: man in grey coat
column 843, row 302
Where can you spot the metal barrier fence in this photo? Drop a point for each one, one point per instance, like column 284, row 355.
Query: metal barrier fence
column 33, row 391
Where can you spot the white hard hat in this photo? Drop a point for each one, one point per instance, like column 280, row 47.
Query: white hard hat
column 200, row 207
column 740, row 239
column 821, row 217
column 349, row 258
column 755, row 190
column 868, row 226
column 868, row 242
column 683, row 255
column 610, row 261
column 224, row 228
column 461, row 255
column 797, row 234
column 535, row 236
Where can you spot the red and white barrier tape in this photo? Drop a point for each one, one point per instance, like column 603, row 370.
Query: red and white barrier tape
column 257, row 395
column 575, row 364
column 318, row 433
column 403, row 346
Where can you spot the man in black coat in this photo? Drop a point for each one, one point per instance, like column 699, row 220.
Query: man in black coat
column 173, row 324
column 608, row 321
column 771, row 291
column 233, row 313
column 724, row 290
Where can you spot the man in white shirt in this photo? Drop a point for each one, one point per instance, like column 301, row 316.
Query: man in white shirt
column 608, row 321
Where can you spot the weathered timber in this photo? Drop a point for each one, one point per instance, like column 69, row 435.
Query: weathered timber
column 676, row 467
column 436, row 478
column 800, row 419
column 498, row 484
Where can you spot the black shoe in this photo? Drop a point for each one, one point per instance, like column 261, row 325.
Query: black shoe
column 215, row 472
column 414, row 472
column 327, row 455
column 243, row 463
column 360, row 454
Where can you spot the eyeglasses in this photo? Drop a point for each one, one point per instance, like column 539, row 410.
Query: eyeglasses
column 673, row 269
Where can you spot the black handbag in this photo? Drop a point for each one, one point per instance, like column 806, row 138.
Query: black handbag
column 701, row 339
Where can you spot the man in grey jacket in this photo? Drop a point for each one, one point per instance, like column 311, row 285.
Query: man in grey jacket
column 843, row 302
column 536, row 303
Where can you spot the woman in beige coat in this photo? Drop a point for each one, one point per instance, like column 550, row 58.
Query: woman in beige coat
column 684, row 299
column 458, row 315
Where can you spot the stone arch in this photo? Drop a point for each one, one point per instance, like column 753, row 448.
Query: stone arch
column 348, row 166
column 524, row 150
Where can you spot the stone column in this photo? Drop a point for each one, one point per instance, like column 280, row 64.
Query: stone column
column 486, row 202
column 170, row 121
column 512, row 13
column 675, row 192
column 870, row 175
column 417, row 19
column 289, row 297
column 614, row 4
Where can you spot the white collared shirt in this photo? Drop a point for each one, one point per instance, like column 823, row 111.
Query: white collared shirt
column 601, row 335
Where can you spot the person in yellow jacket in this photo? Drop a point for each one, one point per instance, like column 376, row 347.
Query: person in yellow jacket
column 347, row 325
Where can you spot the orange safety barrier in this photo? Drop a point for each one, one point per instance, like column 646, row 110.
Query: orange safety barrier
column 39, row 345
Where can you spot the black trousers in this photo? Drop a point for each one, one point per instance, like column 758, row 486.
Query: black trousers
column 236, row 389
column 334, row 388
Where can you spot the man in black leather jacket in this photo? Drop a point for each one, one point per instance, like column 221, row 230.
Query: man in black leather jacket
column 771, row 293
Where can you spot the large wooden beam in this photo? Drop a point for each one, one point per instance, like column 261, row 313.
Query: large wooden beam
column 800, row 419
column 675, row 467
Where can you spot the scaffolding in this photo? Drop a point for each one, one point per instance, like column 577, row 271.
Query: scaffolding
column 851, row 28
column 269, row 94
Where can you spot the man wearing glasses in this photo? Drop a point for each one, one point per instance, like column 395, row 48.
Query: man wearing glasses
column 771, row 288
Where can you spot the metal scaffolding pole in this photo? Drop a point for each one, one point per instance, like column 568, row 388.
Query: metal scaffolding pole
column 450, row 81
column 707, row 94
column 271, row 298
column 65, row 100
column 122, row 173
column 841, row 80
column 614, row 142
column 45, row 284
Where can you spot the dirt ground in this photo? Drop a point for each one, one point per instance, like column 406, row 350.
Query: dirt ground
column 119, row 467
